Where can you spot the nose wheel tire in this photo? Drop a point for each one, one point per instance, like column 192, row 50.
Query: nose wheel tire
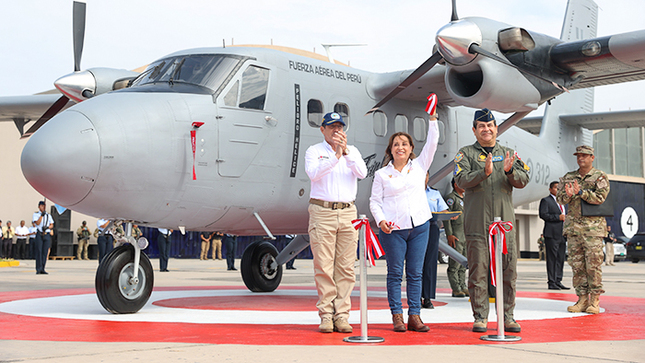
column 259, row 271
column 117, row 289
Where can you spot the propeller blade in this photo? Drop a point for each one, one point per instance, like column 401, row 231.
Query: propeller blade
column 454, row 16
column 78, row 33
column 51, row 112
column 474, row 48
column 420, row 71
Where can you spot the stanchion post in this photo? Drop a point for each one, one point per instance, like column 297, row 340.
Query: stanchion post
column 363, row 338
column 499, row 294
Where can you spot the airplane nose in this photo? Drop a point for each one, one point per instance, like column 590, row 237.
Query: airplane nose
column 61, row 160
column 455, row 38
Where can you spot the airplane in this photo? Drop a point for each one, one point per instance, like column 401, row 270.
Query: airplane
column 214, row 138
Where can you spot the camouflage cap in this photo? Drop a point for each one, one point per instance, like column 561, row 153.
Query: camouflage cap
column 584, row 149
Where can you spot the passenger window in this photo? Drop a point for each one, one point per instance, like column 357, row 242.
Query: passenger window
column 231, row 97
column 401, row 123
column 343, row 110
column 255, row 81
column 419, row 129
column 380, row 123
column 314, row 113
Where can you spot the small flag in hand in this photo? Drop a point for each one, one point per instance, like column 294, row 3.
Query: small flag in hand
column 432, row 104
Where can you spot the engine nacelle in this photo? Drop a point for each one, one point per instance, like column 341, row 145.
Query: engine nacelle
column 496, row 86
column 80, row 86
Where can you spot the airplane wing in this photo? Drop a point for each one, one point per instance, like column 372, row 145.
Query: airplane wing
column 22, row 109
column 591, row 121
column 605, row 60
column 26, row 107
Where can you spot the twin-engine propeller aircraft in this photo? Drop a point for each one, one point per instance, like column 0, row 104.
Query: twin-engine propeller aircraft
column 214, row 138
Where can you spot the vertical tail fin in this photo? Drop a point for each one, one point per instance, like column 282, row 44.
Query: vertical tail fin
column 580, row 22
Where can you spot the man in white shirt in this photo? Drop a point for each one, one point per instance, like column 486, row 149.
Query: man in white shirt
column 44, row 230
column 22, row 233
column 334, row 169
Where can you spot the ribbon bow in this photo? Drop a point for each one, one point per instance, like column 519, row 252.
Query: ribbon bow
column 372, row 245
column 497, row 228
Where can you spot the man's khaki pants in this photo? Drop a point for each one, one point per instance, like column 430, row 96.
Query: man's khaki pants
column 333, row 242
column 217, row 248
column 81, row 251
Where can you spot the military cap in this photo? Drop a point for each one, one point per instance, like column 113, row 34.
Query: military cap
column 584, row 149
column 332, row 118
column 484, row 115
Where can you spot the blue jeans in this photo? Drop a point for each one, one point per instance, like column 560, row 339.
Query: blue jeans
column 405, row 246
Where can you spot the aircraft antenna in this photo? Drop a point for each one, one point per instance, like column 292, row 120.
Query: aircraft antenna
column 328, row 50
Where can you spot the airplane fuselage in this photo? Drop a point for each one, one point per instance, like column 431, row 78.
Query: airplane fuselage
column 128, row 154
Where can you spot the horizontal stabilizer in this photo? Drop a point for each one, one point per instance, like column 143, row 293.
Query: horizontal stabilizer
column 591, row 121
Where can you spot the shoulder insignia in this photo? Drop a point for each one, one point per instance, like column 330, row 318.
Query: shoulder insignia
column 602, row 183
column 482, row 157
column 459, row 157
column 526, row 167
column 450, row 202
column 457, row 170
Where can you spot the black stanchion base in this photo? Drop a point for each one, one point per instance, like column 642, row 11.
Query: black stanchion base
column 503, row 338
column 360, row 339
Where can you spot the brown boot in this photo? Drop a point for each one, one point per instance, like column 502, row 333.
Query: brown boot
column 399, row 324
column 581, row 306
column 415, row 324
column 594, row 304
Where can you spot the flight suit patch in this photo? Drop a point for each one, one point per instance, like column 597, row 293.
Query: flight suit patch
column 459, row 157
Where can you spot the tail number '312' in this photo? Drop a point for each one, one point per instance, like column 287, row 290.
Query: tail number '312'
column 539, row 174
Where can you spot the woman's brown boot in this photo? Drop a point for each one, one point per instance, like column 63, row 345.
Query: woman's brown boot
column 415, row 324
column 399, row 324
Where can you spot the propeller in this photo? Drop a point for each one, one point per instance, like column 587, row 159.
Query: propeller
column 454, row 16
column 78, row 13
column 459, row 42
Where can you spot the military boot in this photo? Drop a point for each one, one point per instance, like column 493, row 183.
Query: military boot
column 581, row 306
column 594, row 304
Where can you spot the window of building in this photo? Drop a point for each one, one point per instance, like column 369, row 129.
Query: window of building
column 628, row 149
column 603, row 151
column 343, row 110
column 380, row 123
column 314, row 113
column 255, row 81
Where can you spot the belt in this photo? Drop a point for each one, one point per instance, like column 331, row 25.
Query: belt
column 330, row 205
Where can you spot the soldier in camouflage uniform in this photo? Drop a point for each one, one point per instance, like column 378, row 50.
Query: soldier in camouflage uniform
column 585, row 234
column 457, row 240
column 488, row 172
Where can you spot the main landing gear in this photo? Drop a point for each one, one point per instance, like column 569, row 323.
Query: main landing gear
column 262, row 264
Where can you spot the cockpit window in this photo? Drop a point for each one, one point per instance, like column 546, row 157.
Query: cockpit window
column 254, row 88
column 205, row 70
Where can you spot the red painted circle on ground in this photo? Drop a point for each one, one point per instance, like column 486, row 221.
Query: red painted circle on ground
column 623, row 319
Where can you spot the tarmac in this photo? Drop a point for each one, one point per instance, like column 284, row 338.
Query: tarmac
column 163, row 331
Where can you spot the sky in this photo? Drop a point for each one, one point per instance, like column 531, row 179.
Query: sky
column 36, row 35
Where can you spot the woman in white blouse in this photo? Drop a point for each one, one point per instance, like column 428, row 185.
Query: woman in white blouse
column 400, row 208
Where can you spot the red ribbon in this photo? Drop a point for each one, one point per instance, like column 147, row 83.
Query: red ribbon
column 193, row 133
column 372, row 245
column 497, row 228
